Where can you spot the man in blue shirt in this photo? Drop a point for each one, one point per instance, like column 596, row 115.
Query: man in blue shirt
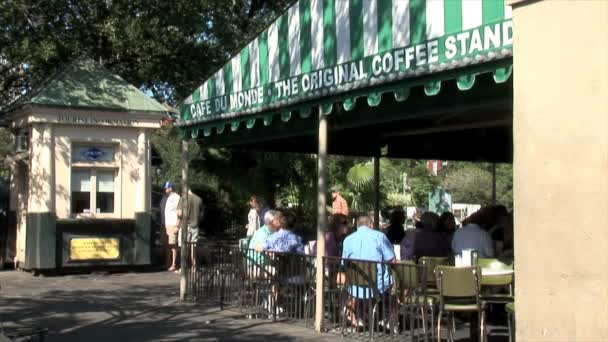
column 369, row 244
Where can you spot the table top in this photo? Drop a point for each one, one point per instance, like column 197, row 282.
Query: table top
column 495, row 272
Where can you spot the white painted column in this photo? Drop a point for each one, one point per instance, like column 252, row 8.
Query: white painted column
column 142, row 163
column 321, row 218
column 377, row 192
column 42, row 170
column 49, row 161
column 184, row 221
column 14, row 187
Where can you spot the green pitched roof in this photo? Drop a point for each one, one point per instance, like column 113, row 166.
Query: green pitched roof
column 86, row 84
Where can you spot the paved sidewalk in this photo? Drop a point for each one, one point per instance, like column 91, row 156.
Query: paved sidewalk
column 128, row 307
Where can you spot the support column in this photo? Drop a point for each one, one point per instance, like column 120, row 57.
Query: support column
column 321, row 218
column 560, row 135
column 42, row 170
column 143, row 217
column 142, row 161
column 184, row 224
column 49, row 161
column 377, row 192
column 493, row 183
column 13, row 212
column 40, row 237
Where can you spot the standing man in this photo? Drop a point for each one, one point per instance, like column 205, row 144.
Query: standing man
column 339, row 206
column 192, row 207
column 172, row 221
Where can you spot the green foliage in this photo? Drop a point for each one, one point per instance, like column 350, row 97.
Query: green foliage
column 166, row 47
column 361, row 175
column 360, row 189
column 395, row 199
column 6, row 142
column 472, row 183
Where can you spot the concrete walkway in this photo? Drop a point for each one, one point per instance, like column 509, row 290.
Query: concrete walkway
column 128, row 307
column 136, row 307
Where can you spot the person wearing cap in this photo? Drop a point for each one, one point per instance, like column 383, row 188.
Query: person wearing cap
column 339, row 205
column 172, row 221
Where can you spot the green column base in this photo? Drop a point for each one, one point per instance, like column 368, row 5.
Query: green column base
column 143, row 239
column 41, row 241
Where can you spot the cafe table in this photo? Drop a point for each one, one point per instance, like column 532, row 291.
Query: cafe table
column 486, row 272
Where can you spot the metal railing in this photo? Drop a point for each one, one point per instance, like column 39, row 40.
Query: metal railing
column 362, row 299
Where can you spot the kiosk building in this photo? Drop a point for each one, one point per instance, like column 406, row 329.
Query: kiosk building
column 80, row 187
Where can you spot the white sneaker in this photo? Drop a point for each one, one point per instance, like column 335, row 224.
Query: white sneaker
column 388, row 326
column 279, row 312
column 357, row 324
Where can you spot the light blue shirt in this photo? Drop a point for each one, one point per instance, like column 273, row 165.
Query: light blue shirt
column 471, row 236
column 372, row 245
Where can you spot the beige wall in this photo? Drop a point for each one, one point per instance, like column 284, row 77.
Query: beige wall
column 127, row 161
column 560, row 170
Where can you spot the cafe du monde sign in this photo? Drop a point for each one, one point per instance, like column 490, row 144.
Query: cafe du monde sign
column 323, row 48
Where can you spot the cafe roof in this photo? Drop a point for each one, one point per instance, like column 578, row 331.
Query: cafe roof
column 88, row 85
column 394, row 71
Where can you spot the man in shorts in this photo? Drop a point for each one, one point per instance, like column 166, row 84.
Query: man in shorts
column 172, row 221
column 192, row 207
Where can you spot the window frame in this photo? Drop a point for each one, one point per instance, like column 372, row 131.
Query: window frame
column 94, row 167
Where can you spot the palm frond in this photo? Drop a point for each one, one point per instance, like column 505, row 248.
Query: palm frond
column 361, row 175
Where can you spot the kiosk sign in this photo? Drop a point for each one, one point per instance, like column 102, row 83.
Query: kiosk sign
column 94, row 249
column 94, row 154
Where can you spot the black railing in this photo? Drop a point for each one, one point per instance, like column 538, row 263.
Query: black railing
column 362, row 299
column 376, row 300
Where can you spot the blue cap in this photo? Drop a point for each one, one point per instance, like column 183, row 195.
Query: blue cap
column 168, row 185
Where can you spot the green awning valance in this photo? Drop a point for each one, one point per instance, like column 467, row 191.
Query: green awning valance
column 501, row 72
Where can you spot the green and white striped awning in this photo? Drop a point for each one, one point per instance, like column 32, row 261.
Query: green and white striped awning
column 320, row 51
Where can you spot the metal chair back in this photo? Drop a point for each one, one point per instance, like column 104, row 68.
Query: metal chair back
column 458, row 282
column 430, row 263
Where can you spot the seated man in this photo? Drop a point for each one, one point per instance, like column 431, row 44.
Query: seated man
column 255, row 259
column 372, row 245
column 429, row 241
column 283, row 241
column 472, row 236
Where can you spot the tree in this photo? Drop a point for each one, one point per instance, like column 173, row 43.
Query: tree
column 472, row 183
column 360, row 183
column 6, row 143
column 165, row 47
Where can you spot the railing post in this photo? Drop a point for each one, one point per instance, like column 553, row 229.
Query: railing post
column 377, row 192
column 321, row 218
column 184, row 223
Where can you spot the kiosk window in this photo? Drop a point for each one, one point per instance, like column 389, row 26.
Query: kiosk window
column 81, row 191
column 105, row 191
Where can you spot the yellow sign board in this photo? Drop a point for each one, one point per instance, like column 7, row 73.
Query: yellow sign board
column 94, row 248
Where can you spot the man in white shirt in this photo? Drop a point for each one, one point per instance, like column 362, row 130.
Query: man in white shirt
column 172, row 221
